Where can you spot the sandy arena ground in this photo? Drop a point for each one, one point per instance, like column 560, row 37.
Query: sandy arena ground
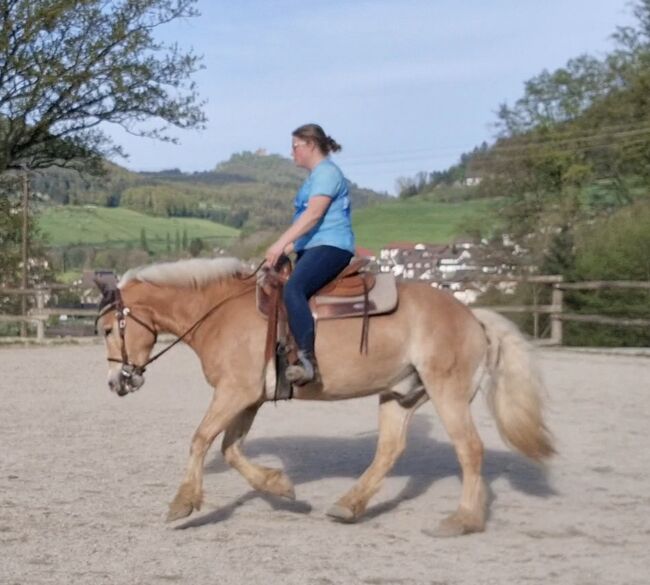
column 85, row 478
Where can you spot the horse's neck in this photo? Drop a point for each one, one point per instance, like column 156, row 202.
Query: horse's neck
column 175, row 310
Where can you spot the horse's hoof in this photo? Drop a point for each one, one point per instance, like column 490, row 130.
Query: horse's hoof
column 289, row 493
column 279, row 484
column 178, row 511
column 341, row 513
column 453, row 526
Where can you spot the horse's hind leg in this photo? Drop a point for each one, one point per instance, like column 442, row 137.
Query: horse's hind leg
column 394, row 416
column 451, row 395
column 265, row 479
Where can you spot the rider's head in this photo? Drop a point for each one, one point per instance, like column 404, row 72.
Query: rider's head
column 310, row 144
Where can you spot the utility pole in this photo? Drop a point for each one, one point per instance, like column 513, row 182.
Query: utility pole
column 25, row 254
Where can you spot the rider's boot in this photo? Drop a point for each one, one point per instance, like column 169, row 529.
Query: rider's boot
column 305, row 370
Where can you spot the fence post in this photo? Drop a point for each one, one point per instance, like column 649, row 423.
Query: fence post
column 557, row 299
column 40, row 324
column 535, row 314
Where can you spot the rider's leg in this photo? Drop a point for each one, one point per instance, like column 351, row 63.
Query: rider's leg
column 314, row 269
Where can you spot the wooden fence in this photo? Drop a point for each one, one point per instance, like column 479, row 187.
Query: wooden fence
column 556, row 309
column 40, row 314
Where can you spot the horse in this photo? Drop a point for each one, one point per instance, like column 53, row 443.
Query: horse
column 431, row 347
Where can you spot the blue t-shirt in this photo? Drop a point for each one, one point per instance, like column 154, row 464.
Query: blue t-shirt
column 335, row 227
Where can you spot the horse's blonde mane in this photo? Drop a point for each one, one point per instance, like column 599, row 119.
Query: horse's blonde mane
column 193, row 273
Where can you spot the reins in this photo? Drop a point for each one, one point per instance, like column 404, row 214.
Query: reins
column 123, row 312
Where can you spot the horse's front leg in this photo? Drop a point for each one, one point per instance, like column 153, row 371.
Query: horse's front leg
column 225, row 406
column 264, row 479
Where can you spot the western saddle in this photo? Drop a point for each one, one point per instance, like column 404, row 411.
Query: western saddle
column 353, row 293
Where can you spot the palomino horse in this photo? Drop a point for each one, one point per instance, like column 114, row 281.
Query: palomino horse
column 430, row 347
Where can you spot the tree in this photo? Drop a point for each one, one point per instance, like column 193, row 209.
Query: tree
column 612, row 248
column 144, row 245
column 196, row 247
column 67, row 66
column 576, row 145
column 10, row 236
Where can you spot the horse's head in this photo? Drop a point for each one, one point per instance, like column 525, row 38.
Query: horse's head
column 129, row 338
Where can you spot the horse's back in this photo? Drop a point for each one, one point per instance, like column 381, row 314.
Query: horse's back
column 428, row 328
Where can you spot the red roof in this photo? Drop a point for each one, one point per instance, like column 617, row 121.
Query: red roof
column 363, row 252
column 411, row 246
column 399, row 246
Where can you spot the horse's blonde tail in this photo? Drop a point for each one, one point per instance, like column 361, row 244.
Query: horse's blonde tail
column 516, row 390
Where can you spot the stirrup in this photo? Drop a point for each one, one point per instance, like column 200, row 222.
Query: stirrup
column 303, row 372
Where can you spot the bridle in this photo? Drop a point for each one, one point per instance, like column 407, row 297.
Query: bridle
column 122, row 313
column 129, row 369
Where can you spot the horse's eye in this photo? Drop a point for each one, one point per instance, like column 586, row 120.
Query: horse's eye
column 108, row 331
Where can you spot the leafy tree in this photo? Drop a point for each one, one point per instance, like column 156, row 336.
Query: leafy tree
column 560, row 257
column 144, row 245
column 68, row 66
column 576, row 145
column 406, row 187
column 196, row 247
column 11, row 226
column 10, row 236
column 613, row 248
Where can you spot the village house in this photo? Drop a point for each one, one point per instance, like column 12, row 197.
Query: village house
column 460, row 267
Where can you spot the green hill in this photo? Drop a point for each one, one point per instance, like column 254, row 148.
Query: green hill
column 412, row 220
column 249, row 191
column 69, row 225
column 420, row 220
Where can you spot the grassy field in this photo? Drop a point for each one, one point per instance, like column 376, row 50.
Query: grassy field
column 417, row 220
column 413, row 220
column 118, row 226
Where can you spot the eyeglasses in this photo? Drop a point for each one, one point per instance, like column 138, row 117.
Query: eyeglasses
column 295, row 145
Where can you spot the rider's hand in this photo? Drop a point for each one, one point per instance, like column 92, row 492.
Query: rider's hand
column 272, row 255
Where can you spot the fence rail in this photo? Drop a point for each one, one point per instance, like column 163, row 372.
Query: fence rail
column 40, row 314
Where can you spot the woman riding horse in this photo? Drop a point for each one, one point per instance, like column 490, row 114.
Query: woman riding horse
column 321, row 235
column 430, row 348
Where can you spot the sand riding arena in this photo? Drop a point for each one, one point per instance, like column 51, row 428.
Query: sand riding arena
column 85, row 479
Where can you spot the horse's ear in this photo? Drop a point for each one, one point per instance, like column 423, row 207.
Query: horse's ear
column 105, row 284
column 102, row 285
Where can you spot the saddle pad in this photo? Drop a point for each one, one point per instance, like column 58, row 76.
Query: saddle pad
column 382, row 298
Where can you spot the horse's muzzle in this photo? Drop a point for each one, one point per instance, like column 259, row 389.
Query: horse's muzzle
column 125, row 380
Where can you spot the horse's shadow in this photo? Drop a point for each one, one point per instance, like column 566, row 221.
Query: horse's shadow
column 425, row 460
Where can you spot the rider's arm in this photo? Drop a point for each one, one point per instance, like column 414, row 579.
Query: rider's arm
column 316, row 208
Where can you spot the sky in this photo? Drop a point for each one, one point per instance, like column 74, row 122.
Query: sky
column 403, row 85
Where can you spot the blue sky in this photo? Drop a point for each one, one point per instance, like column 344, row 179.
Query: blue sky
column 404, row 85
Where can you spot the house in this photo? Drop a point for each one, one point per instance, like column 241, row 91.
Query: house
column 410, row 260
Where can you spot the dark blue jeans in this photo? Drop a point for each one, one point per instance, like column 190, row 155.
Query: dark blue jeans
column 314, row 268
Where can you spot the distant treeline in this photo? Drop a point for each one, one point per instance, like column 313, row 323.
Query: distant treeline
column 249, row 191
